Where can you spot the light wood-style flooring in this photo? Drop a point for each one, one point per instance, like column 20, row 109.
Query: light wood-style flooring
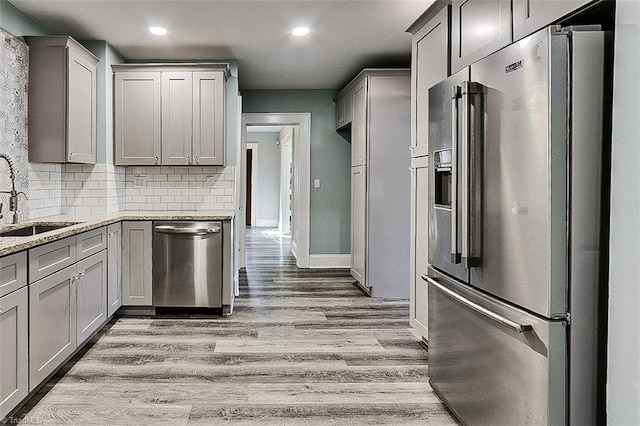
column 303, row 347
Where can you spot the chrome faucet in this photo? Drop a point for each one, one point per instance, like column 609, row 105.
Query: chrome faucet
column 13, row 194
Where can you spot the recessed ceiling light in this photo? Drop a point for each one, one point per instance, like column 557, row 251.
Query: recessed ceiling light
column 159, row 31
column 300, row 31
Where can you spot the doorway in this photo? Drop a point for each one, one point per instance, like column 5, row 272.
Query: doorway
column 300, row 177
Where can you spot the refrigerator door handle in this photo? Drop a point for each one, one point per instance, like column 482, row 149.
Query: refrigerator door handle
column 512, row 325
column 455, row 95
column 469, row 133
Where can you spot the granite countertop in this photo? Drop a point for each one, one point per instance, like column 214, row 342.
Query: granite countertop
column 82, row 223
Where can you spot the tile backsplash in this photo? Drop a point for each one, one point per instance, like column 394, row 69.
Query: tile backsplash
column 102, row 188
column 163, row 188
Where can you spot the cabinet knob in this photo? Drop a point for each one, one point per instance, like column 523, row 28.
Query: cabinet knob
column 157, row 159
column 195, row 160
column 188, row 160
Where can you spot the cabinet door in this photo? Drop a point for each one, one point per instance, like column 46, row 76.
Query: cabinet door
column 478, row 28
column 358, row 223
column 359, row 125
column 136, row 264
column 81, row 108
column 137, row 117
column 344, row 111
column 532, row 15
column 208, row 118
column 176, row 118
column 13, row 272
column 52, row 323
column 114, row 268
column 419, row 244
column 14, row 380
column 430, row 65
column 91, row 295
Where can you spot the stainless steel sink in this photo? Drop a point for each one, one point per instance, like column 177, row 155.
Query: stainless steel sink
column 28, row 231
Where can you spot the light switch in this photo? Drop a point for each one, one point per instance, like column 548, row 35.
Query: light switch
column 316, row 183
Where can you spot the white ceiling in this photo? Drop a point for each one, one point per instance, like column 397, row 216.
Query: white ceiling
column 346, row 35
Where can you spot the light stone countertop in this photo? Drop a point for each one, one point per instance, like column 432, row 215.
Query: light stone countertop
column 82, row 223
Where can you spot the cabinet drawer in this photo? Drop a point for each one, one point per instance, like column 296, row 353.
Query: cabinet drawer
column 91, row 242
column 13, row 272
column 49, row 258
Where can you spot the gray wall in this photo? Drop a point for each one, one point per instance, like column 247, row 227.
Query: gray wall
column 268, row 178
column 17, row 23
column 623, row 381
column 330, row 162
column 104, row 89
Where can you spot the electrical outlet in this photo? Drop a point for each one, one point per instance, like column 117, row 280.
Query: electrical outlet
column 140, row 182
column 316, row 183
column 210, row 182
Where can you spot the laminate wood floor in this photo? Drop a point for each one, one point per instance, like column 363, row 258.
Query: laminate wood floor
column 303, row 347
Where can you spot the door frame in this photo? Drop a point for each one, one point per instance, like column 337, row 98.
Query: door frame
column 302, row 179
column 286, row 157
column 253, row 146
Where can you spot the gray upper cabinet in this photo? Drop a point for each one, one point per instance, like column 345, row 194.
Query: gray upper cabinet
column 532, row 15
column 430, row 65
column 13, row 272
column 209, row 100
column 170, row 114
column 359, row 124
column 62, row 101
column 137, row 118
column 478, row 28
column 344, row 110
column 176, row 118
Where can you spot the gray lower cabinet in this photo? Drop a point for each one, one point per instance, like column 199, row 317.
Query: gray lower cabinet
column 114, row 268
column 136, row 263
column 14, row 376
column 48, row 258
column 419, row 244
column 91, row 295
column 52, row 323
column 13, row 272
column 359, row 223
column 532, row 15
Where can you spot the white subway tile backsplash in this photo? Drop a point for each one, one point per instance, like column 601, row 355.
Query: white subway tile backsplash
column 103, row 188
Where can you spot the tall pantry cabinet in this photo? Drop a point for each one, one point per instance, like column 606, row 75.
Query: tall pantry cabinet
column 430, row 65
column 374, row 112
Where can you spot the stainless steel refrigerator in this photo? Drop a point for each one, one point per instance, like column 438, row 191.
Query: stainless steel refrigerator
column 515, row 145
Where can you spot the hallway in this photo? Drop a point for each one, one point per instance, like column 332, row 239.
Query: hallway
column 303, row 347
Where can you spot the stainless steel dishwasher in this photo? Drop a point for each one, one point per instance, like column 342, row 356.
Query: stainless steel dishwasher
column 187, row 264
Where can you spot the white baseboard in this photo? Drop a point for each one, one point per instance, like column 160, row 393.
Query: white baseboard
column 267, row 223
column 329, row 261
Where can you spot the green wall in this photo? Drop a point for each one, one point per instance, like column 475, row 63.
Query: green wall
column 104, row 92
column 330, row 162
column 17, row 23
